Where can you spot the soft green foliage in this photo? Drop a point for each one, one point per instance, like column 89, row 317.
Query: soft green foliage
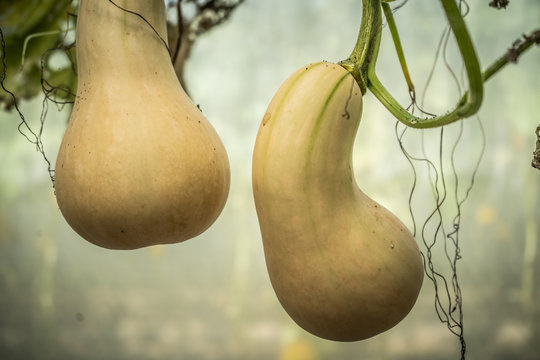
column 19, row 20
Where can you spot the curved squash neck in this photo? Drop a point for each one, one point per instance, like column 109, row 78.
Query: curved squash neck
column 108, row 37
column 329, row 161
column 330, row 142
column 310, row 127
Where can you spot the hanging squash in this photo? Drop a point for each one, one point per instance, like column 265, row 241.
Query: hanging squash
column 343, row 267
column 139, row 163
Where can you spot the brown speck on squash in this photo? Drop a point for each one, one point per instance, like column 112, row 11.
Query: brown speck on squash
column 266, row 118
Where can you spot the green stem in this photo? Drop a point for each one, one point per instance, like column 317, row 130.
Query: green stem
column 364, row 51
column 397, row 43
column 511, row 56
column 463, row 109
column 363, row 60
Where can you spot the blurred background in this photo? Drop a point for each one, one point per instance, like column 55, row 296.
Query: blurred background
column 210, row 297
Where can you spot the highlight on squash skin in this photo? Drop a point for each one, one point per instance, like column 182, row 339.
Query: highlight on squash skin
column 342, row 266
column 139, row 163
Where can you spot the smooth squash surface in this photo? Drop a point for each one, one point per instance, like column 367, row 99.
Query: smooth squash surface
column 342, row 266
column 139, row 164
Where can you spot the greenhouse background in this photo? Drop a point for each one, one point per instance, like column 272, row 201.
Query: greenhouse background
column 210, row 297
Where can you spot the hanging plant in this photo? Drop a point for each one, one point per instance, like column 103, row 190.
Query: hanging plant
column 342, row 266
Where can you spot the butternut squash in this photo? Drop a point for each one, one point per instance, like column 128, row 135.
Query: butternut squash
column 342, row 266
column 139, row 163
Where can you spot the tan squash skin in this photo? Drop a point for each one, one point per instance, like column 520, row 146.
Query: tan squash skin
column 139, row 164
column 343, row 267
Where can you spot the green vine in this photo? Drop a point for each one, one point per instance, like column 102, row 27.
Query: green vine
column 366, row 47
column 363, row 59
column 397, row 42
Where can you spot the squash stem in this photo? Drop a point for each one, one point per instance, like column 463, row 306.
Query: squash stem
column 363, row 52
column 463, row 109
column 511, row 56
column 388, row 14
column 362, row 61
